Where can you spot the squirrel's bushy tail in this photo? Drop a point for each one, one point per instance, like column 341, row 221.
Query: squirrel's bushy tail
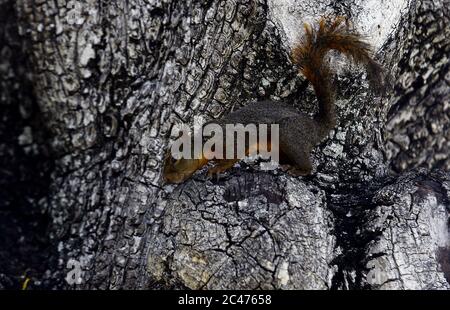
column 310, row 53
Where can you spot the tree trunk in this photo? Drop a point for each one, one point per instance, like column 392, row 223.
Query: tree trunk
column 111, row 79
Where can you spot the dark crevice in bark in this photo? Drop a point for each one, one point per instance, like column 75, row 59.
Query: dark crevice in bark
column 26, row 164
column 351, row 206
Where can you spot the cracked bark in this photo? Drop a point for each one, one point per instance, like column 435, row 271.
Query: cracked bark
column 111, row 82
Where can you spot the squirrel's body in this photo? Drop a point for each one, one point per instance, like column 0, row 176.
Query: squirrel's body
column 298, row 132
column 292, row 123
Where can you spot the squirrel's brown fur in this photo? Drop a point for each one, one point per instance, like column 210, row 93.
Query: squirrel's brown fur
column 298, row 133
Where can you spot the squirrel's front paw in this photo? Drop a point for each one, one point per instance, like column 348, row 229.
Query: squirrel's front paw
column 221, row 166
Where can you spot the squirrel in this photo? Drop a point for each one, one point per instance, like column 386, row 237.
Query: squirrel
column 298, row 132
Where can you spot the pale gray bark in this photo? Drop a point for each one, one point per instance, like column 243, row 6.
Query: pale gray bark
column 112, row 81
column 418, row 121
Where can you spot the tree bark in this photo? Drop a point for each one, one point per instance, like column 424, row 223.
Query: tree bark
column 111, row 79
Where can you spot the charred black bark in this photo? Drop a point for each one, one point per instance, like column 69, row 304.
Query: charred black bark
column 26, row 165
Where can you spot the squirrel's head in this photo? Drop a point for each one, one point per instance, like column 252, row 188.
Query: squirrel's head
column 178, row 170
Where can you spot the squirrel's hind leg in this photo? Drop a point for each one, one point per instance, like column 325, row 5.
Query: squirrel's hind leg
column 290, row 166
column 295, row 148
column 295, row 158
column 302, row 165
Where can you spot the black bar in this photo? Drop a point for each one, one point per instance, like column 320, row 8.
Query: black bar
column 220, row 299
